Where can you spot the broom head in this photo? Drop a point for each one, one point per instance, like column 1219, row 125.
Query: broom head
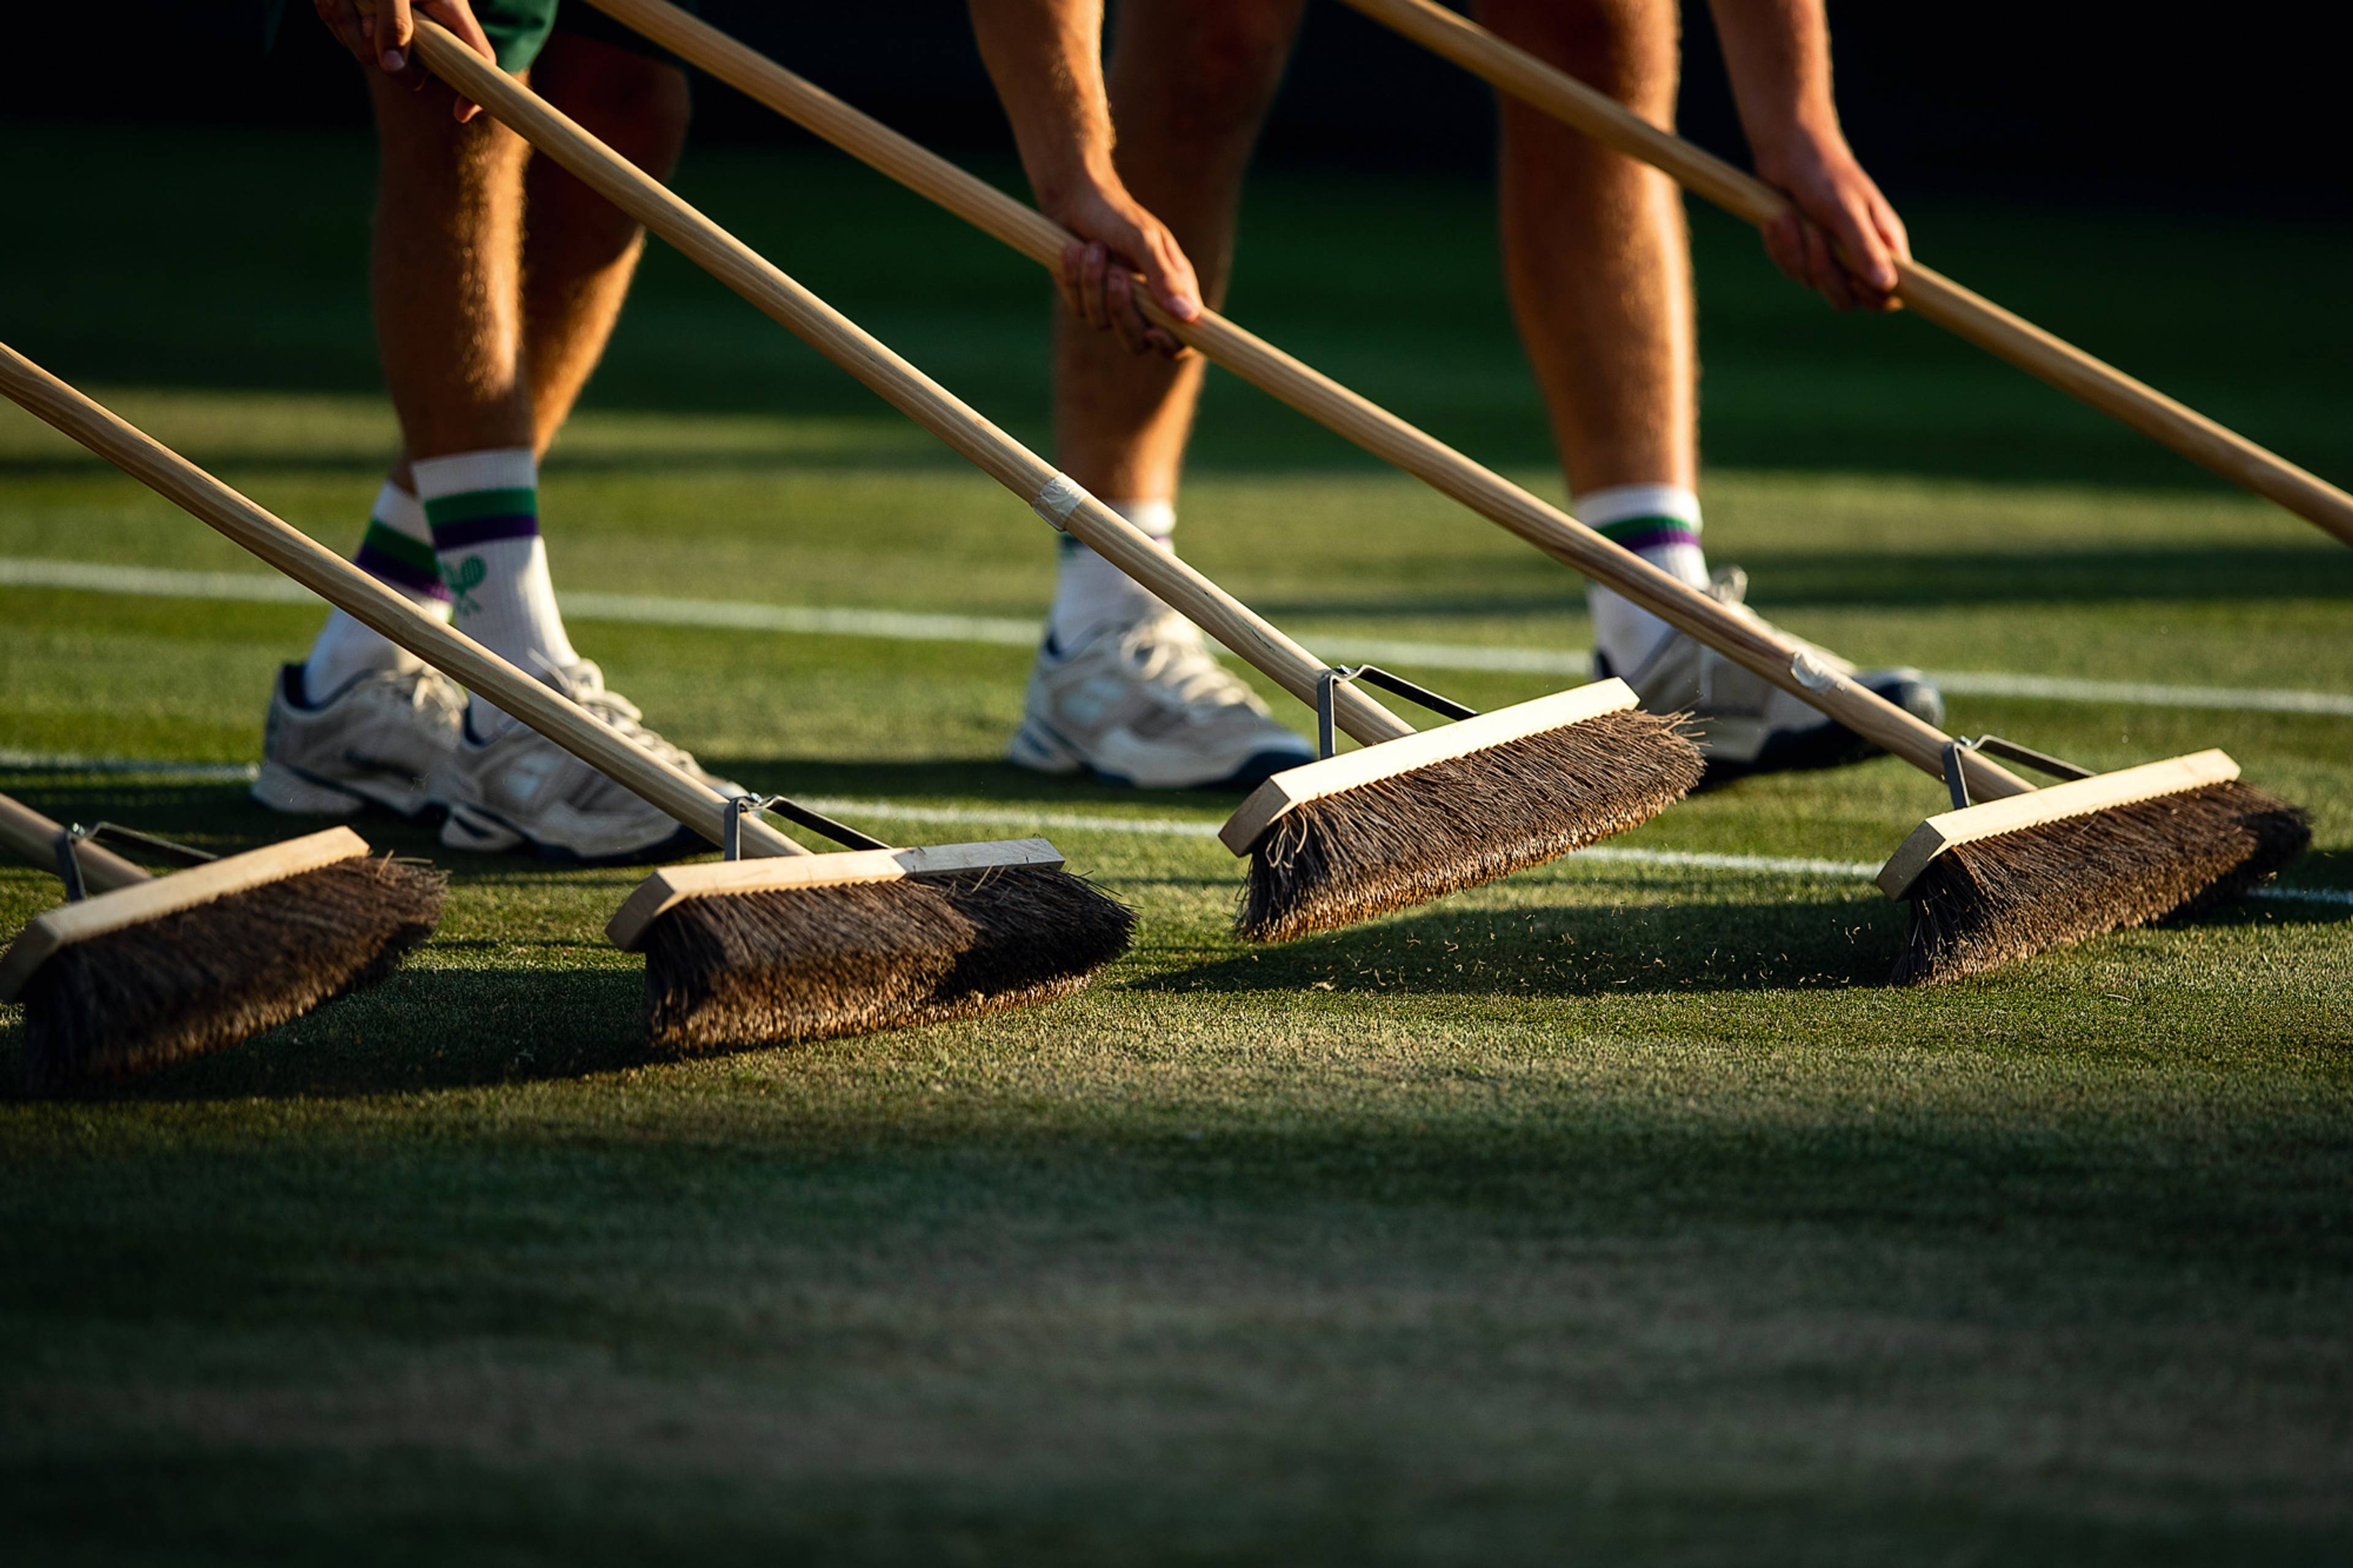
column 1992, row 882
column 802, row 947
column 1375, row 829
column 178, row 965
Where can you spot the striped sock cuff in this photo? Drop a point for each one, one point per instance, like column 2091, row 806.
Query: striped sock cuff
column 481, row 516
column 392, row 557
column 1643, row 534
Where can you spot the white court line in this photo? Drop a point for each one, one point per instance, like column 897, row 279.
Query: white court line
column 735, row 614
column 1089, row 822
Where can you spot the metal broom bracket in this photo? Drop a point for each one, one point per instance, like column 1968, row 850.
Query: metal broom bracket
column 1957, row 783
column 730, row 833
column 1327, row 737
column 114, row 835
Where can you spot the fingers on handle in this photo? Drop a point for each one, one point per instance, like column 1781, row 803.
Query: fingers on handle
column 395, row 29
column 1126, row 314
column 1824, row 272
column 1094, row 274
column 1785, row 242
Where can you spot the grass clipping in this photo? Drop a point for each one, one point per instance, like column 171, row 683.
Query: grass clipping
column 1985, row 902
column 775, row 966
column 1419, row 834
column 198, row 979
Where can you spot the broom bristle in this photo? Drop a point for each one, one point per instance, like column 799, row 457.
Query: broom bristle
column 777, row 966
column 1987, row 901
column 1415, row 835
column 201, row 978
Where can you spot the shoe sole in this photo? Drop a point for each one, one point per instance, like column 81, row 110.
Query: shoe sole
column 1249, row 774
column 1829, row 744
column 284, row 788
column 1040, row 751
column 476, row 831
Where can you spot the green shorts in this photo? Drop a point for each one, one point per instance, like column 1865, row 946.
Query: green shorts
column 519, row 29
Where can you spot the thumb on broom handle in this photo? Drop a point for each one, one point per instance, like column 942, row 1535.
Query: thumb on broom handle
column 1958, row 309
column 897, row 382
column 34, row 836
column 1268, row 368
column 341, row 584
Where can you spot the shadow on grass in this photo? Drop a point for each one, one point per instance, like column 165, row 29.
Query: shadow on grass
column 2276, row 904
column 223, row 819
column 1579, row 951
column 961, row 779
column 421, row 1031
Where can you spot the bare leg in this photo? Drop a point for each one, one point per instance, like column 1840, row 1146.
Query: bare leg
column 445, row 282
column 1595, row 250
column 558, row 295
column 579, row 250
column 447, row 273
column 1190, row 81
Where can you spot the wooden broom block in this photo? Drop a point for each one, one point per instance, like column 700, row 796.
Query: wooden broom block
column 1294, row 787
column 673, row 885
column 2080, row 797
column 158, row 896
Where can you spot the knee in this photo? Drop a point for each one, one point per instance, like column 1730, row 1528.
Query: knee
column 637, row 106
column 1627, row 49
column 1222, row 65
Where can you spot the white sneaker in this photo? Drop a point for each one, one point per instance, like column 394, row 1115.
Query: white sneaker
column 1147, row 704
column 377, row 739
column 1745, row 723
column 518, row 790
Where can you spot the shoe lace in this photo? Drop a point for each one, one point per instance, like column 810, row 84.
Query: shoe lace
column 426, row 689
column 1169, row 652
column 584, row 684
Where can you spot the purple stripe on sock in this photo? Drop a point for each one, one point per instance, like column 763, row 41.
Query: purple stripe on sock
column 1656, row 537
column 484, row 531
column 402, row 574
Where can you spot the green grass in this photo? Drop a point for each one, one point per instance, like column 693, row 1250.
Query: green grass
column 1615, row 1208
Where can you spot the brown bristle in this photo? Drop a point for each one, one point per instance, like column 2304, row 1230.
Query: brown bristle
column 198, row 979
column 1418, row 835
column 1989, row 900
column 777, row 966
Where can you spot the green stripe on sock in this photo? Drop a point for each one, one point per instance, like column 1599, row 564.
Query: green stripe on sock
column 1628, row 528
column 466, row 508
column 386, row 539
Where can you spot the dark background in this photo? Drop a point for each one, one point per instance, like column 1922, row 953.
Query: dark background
column 2208, row 108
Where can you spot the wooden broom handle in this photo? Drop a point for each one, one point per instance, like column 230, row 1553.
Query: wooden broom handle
column 1267, row 367
column 1958, row 309
column 34, row 836
column 343, row 584
column 899, row 383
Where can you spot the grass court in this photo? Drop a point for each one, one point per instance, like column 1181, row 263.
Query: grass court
column 1615, row 1208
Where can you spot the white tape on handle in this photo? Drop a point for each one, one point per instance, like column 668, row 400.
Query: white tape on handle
column 1812, row 673
column 1058, row 501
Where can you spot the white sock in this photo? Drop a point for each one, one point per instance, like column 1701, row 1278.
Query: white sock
column 1661, row 523
column 396, row 551
column 1090, row 594
column 484, row 512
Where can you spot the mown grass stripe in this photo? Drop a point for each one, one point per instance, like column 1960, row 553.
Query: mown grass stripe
column 906, row 626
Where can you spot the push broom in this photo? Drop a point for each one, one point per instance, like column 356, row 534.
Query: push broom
column 1410, row 816
column 2027, row 870
column 790, row 946
column 134, row 970
column 1958, row 309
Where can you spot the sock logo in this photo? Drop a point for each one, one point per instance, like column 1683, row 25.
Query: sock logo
column 463, row 579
